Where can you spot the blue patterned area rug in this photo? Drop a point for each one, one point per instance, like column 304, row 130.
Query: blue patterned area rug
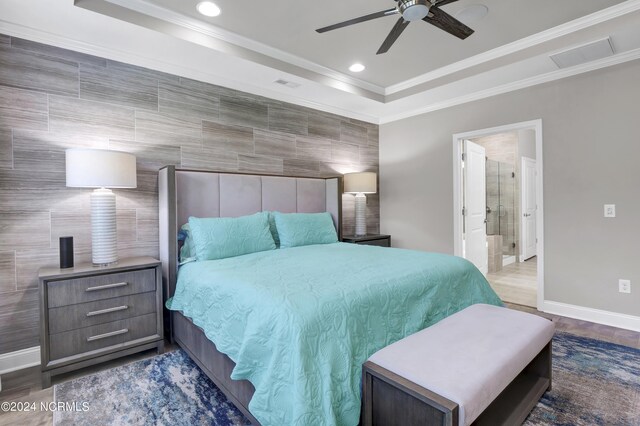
column 594, row 383
column 168, row 389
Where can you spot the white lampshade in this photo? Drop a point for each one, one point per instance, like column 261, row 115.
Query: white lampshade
column 364, row 183
column 99, row 168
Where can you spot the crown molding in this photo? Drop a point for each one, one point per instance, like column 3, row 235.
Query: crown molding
column 179, row 69
column 517, row 85
column 159, row 12
column 338, row 102
column 277, row 59
column 595, row 18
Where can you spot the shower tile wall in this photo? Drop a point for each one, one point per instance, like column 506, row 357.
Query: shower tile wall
column 501, row 147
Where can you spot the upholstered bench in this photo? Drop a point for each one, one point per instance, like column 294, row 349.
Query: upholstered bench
column 483, row 365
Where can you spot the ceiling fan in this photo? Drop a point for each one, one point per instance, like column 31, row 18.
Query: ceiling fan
column 411, row 10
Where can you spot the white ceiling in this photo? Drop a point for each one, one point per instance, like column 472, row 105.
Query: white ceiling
column 503, row 58
column 289, row 25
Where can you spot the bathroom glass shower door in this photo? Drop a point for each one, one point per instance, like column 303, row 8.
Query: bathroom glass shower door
column 501, row 204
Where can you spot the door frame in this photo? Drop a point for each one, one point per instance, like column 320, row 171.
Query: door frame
column 535, row 125
column 522, row 203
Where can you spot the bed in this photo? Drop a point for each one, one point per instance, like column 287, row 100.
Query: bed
column 293, row 326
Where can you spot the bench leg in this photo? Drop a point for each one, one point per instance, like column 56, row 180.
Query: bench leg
column 541, row 365
column 391, row 399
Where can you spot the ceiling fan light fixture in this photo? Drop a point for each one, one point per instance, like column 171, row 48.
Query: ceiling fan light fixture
column 208, row 8
column 357, row 67
column 413, row 10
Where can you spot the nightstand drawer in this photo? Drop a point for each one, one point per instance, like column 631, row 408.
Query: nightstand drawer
column 100, row 336
column 81, row 315
column 99, row 287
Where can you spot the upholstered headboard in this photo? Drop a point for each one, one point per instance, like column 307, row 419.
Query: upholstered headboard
column 184, row 193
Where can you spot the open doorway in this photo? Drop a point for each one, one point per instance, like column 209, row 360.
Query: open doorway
column 498, row 223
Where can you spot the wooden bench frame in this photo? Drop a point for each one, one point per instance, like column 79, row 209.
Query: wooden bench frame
column 389, row 399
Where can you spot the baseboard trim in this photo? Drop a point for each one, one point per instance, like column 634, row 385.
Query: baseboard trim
column 508, row 260
column 614, row 319
column 24, row 358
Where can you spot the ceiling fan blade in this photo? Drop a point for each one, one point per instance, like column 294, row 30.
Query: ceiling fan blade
column 397, row 29
column 447, row 23
column 364, row 18
column 443, row 2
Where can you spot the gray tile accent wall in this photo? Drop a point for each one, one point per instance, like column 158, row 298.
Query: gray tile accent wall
column 18, row 312
column 313, row 148
column 7, row 271
column 278, row 144
column 6, row 148
column 23, row 109
column 52, row 99
column 26, row 70
column 118, row 87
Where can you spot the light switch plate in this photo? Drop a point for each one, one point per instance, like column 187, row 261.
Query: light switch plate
column 609, row 210
column 624, row 286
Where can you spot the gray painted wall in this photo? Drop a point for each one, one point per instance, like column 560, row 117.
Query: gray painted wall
column 591, row 148
column 526, row 144
column 52, row 99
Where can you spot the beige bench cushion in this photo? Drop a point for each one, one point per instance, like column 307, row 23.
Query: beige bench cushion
column 469, row 357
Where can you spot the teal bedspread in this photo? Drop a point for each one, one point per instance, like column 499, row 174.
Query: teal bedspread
column 299, row 322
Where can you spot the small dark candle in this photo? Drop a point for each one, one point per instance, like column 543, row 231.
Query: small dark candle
column 66, row 252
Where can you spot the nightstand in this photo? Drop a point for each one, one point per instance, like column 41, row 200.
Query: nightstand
column 91, row 314
column 369, row 240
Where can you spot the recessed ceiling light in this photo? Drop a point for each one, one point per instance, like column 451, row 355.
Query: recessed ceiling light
column 356, row 67
column 472, row 13
column 208, row 8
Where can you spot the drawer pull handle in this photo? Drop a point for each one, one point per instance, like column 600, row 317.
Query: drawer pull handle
column 105, row 335
column 107, row 286
column 107, row 311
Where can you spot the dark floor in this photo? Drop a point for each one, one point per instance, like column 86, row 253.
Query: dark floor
column 24, row 385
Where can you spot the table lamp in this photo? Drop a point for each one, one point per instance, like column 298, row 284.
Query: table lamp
column 101, row 169
column 360, row 184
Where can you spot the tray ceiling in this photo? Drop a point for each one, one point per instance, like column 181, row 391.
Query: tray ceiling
column 289, row 25
column 253, row 45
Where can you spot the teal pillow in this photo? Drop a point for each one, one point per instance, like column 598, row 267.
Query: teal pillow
column 303, row 229
column 222, row 237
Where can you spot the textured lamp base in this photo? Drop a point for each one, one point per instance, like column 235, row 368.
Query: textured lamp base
column 103, row 227
column 361, row 214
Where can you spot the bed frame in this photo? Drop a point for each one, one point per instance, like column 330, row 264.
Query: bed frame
column 184, row 193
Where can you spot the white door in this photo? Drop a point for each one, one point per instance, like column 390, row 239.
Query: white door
column 529, row 206
column 475, row 206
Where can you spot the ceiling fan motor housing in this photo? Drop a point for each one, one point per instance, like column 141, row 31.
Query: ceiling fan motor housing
column 414, row 10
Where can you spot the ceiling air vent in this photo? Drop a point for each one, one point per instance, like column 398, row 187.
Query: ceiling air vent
column 290, row 84
column 583, row 54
